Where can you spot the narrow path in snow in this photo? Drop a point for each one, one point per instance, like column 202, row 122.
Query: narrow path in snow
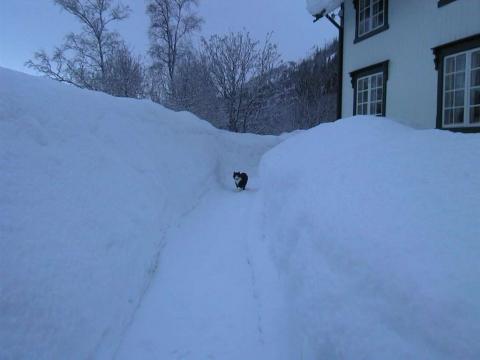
column 215, row 295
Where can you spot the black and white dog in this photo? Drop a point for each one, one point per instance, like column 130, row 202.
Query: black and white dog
column 241, row 179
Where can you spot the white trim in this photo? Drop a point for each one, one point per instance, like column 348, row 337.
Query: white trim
column 467, row 88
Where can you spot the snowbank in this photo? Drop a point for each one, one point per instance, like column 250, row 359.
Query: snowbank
column 120, row 235
column 89, row 186
column 316, row 7
column 376, row 230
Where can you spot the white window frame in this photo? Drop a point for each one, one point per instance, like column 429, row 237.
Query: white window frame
column 369, row 4
column 467, row 88
column 369, row 90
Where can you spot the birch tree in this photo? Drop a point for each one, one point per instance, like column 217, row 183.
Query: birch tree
column 171, row 23
column 82, row 59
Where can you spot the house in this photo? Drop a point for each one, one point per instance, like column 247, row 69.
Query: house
column 416, row 61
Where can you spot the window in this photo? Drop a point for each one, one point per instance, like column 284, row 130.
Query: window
column 458, row 65
column 372, row 18
column 370, row 95
column 461, row 95
column 369, row 85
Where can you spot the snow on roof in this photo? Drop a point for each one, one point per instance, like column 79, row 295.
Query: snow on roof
column 320, row 7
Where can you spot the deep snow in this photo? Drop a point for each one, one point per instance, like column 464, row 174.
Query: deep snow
column 90, row 186
column 378, row 239
column 121, row 235
column 315, row 7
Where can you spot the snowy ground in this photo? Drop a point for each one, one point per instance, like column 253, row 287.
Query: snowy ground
column 121, row 235
column 212, row 301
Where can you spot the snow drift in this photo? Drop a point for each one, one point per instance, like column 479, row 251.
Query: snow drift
column 376, row 229
column 357, row 239
column 89, row 186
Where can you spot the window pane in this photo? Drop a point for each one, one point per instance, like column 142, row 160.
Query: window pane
column 458, row 116
column 450, row 68
column 367, row 23
column 359, row 110
column 365, row 96
column 367, row 11
column 362, row 84
column 380, row 19
column 372, row 109
column 380, row 6
column 379, row 109
column 475, row 97
column 448, row 99
column 449, row 82
column 377, row 13
column 365, row 84
column 380, row 80
column 475, row 114
column 459, row 98
column 475, row 78
column 371, row 15
column 365, row 109
column 460, row 61
column 460, row 80
column 361, row 27
column 476, row 60
column 448, row 117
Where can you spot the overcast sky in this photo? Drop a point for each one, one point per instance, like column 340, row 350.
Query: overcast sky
column 29, row 25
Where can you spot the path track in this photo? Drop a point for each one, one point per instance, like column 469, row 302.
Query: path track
column 216, row 294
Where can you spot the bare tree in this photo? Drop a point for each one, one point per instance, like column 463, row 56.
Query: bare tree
column 171, row 22
column 239, row 68
column 124, row 74
column 259, row 86
column 81, row 60
column 195, row 91
column 155, row 82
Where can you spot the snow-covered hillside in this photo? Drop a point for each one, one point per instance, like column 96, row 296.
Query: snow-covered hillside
column 121, row 235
